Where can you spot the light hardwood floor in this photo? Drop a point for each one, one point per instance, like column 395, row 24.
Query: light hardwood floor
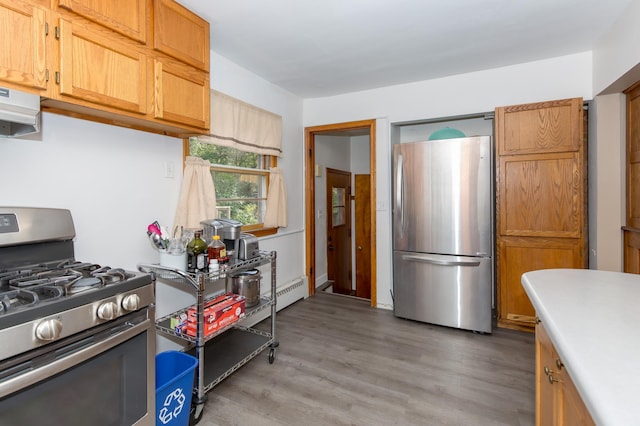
column 341, row 362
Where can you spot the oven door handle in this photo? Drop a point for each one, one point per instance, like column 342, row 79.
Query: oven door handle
column 32, row 377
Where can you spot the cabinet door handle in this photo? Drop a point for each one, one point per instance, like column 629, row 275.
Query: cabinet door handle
column 559, row 364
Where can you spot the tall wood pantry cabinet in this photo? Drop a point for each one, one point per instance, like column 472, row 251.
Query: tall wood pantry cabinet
column 632, row 229
column 541, row 203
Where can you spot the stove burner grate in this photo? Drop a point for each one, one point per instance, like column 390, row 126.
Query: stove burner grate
column 29, row 285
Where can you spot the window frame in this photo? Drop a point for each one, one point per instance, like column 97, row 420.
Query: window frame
column 268, row 162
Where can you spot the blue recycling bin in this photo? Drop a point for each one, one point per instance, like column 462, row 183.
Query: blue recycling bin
column 174, row 387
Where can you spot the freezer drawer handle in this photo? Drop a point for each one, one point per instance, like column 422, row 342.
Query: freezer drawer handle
column 427, row 259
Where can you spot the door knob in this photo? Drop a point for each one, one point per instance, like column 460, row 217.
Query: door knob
column 359, row 247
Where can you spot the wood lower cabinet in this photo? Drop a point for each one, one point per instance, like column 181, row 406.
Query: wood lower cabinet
column 541, row 211
column 23, row 55
column 631, row 250
column 557, row 399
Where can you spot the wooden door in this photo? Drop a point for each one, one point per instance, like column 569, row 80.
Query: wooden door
column 23, row 45
column 363, row 235
column 541, row 212
column 339, row 230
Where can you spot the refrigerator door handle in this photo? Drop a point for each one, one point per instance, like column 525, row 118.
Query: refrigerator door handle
column 425, row 258
column 399, row 186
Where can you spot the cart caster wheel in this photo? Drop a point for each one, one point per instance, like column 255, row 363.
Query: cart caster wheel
column 197, row 411
column 272, row 355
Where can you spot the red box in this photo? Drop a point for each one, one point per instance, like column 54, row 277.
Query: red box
column 218, row 313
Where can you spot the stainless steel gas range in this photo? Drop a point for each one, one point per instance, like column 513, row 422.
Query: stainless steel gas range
column 77, row 342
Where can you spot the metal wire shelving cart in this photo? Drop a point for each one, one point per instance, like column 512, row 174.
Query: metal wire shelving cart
column 226, row 350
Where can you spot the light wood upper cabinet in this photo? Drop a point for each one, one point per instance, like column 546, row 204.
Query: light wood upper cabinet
column 181, row 34
column 95, row 60
column 182, row 94
column 545, row 127
column 96, row 68
column 127, row 17
column 23, row 60
column 541, row 212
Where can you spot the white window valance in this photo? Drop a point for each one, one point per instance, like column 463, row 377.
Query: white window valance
column 243, row 126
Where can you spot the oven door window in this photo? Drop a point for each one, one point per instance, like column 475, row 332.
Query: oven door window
column 108, row 389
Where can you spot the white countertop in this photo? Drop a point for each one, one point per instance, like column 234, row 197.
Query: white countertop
column 593, row 320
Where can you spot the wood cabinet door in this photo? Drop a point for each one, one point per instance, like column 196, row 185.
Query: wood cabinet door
column 631, row 250
column 633, row 157
column 541, row 212
column 557, row 399
column 23, row 45
column 572, row 409
column 181, row 34
column 182, row 94
column 99, row 69
column 127, row 17
column 546, row 391
column 518, row 255
column 541, row 195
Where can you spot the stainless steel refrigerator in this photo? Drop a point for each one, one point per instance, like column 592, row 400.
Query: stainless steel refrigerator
column 442, row 232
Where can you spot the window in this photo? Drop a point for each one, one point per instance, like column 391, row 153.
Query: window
column 241, row 180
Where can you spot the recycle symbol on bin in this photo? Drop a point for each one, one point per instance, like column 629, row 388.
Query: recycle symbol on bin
column 173, row 404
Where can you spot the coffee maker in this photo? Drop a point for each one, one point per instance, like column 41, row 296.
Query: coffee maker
column 229, row 231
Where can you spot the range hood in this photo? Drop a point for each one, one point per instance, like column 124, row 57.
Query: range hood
column 19, row 113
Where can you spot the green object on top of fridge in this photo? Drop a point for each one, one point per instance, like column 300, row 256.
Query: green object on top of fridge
column 446, row 133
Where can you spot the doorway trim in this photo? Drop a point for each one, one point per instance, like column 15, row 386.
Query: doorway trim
column 310, row 204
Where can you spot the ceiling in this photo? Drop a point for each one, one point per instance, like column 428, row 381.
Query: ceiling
column 317, row 48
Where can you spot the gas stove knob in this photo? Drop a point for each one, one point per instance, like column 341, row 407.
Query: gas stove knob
column 49, row 329
column 131, row 302
column 107, row 311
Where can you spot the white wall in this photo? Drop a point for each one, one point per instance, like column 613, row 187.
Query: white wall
column 607, row 182
column 229, row 78
column 616, row 57
column 111, row 178
column 473, row 93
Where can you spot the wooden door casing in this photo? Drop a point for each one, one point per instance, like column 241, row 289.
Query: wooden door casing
column 541, row 204
column 362, row 226
column 339, row 235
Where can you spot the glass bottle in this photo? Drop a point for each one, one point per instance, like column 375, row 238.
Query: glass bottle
column 217, row 249
column 197, row 253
